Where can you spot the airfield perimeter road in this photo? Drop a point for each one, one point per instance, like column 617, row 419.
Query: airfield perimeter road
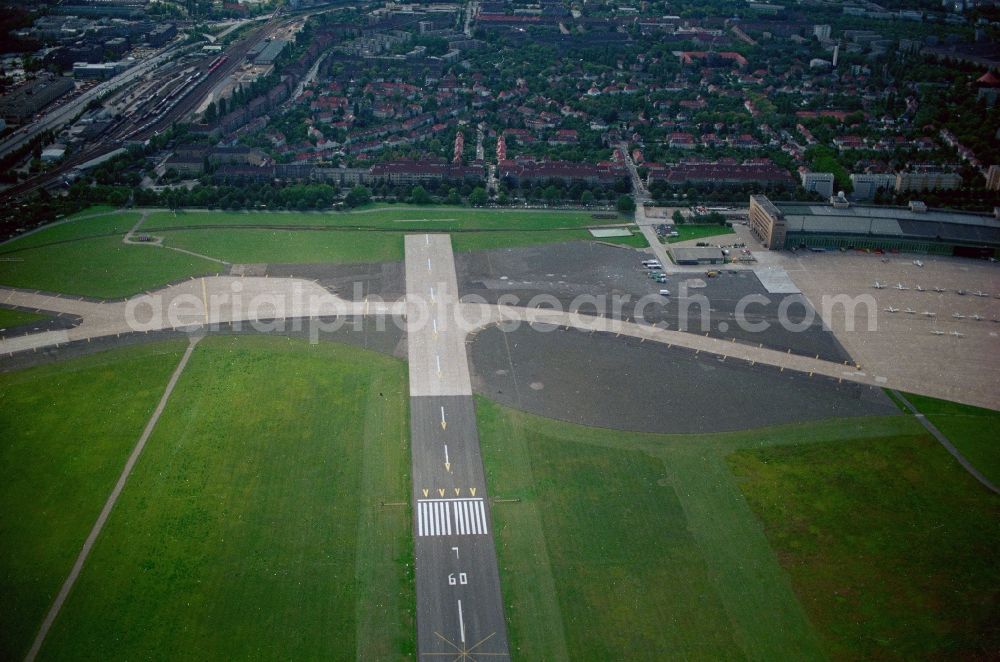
column 459, row 607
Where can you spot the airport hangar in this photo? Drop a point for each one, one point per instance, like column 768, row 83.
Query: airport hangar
column 913, row 229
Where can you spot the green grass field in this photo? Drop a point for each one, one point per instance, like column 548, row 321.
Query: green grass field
column 689, row 232
column 87, row 257
column 309, row 246
column 252, row 525
column 93, row 222
column 630, row 546
column 67, row 430
column 289, row 246
column 391, row 217
column 972, row 430
column 890, row 544
column 9, row 318
column 473, row 229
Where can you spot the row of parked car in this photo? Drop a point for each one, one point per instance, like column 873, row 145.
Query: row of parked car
column 655, row 270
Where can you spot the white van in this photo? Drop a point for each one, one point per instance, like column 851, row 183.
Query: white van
column 664, row 293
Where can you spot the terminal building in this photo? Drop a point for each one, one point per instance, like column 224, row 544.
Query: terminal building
column 913, row 229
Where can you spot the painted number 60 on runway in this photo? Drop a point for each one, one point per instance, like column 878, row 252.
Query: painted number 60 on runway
column 463, row 579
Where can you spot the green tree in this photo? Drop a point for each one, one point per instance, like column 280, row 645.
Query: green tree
column 358, row 195
column 625, row 204
column 419, row 195
column 678, row 217
column 586, row 198
column 478, row 197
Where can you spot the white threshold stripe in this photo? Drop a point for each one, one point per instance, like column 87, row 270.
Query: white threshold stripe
column 446, row 517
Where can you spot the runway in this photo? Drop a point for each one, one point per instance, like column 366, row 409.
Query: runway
column 459, row 606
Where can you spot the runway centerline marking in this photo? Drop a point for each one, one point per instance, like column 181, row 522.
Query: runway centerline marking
column 461, row 623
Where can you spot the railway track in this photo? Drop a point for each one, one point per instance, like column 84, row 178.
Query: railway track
column 209, row 74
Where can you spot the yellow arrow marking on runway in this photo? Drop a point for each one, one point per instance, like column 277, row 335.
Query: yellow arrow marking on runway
column 427, row 493
column 444, row 423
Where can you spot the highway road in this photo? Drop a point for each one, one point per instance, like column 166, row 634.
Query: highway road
column 459, row 605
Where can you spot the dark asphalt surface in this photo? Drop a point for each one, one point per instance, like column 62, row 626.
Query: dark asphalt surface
column 51, row 322
column 568, row 270
column 353, row 282
column 622, row 383
column 459, row 608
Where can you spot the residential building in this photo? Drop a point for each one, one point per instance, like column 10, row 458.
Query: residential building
column 418, row 172
column 238, row 155
column 186, row 166
column 907, row 182
column 993, row 178
column 818, row 182
column 722, row 173
column 522, row 171
column 867, row 184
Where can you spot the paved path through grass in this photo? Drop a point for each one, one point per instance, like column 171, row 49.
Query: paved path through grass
column 947, row 444
column 152, row 241
column 109, row 505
